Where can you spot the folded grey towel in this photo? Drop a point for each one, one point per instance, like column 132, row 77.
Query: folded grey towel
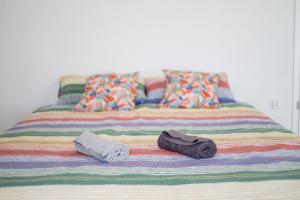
column 192, row 146
column 106, row 150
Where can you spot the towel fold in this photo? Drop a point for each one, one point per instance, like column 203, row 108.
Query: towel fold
column 105, row 150
column 192, row 146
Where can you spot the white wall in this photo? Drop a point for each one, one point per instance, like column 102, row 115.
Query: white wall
column 296, row 113
column 252, row 40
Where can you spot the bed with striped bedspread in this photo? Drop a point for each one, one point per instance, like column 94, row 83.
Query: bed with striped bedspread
column 256, row 158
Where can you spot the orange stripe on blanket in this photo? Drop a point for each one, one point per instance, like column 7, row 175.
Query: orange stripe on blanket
column 239, row 149
column 253, row 148
column 39, row 153
column 136, row 152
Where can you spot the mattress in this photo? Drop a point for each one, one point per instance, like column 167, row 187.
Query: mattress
column 256, row 158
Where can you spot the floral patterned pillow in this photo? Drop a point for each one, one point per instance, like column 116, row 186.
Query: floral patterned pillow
column 109, row 92
column 190, row 90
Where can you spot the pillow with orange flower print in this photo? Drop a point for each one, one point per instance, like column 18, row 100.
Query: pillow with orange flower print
column 187, row 89
column 109, row 92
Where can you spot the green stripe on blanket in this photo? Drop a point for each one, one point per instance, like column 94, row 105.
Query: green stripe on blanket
column 137, row 179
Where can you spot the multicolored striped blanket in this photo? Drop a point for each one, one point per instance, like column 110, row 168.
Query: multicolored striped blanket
column 256, row 158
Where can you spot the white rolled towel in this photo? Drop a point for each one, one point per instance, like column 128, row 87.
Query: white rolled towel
column 105, row 150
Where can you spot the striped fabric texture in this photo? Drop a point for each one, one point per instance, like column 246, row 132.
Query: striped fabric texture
column 255, row 155
column 264, row 190
column 224, row 92
column 72, row 88
column 155, row 89
column 156, row 86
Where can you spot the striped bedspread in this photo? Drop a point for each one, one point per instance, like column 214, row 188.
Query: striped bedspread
column 256, row 158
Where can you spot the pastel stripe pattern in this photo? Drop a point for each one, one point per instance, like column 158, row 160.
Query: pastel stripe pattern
column 255, row 155
column 224, row 92
column 155, row 87
column 71, row 89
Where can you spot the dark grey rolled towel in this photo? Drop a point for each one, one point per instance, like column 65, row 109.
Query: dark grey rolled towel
column 192, row 146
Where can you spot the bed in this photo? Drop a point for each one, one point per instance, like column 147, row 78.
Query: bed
column 256, row 158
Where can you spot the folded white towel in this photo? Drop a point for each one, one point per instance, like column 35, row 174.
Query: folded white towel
column 106, row 150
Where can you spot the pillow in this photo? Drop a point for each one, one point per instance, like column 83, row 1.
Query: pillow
column 72, row 88
column 109, row 92
column 224, row 91
column 155, row 88
column 140, row 93
column 190, row 90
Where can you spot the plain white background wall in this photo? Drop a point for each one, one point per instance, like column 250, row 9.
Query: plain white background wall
column 296, row 113
column 251, row 40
